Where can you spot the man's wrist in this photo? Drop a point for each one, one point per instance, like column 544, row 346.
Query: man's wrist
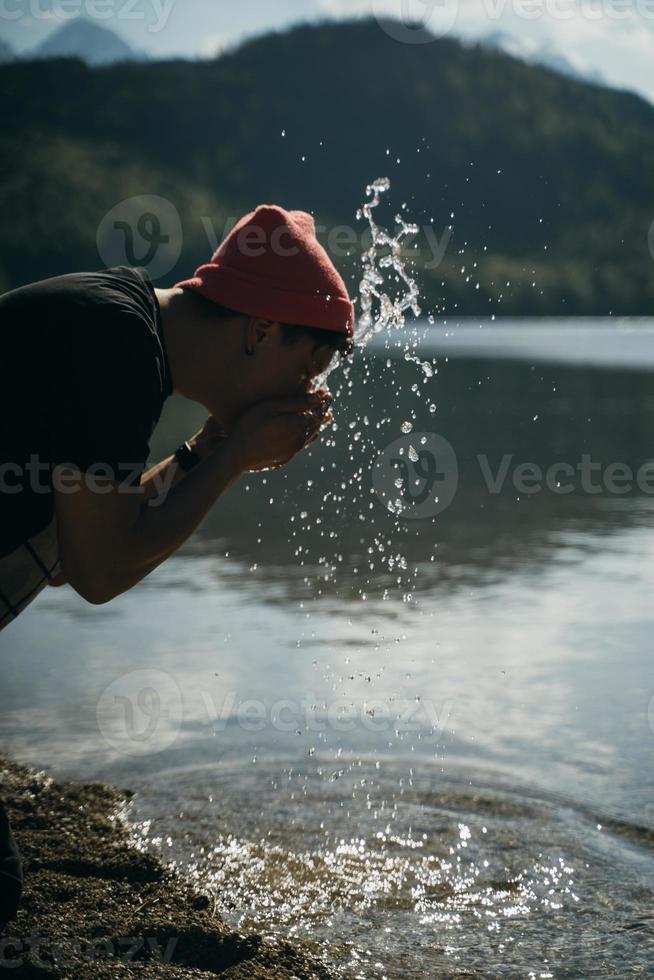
column 222, row 448
column 187, row 457
column 205, row 445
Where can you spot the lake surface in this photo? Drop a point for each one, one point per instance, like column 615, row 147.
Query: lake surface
column 397, row 700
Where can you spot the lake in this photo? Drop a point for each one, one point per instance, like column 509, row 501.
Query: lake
column 397, row 699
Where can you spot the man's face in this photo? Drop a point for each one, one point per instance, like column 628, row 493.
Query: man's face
column 292, row 367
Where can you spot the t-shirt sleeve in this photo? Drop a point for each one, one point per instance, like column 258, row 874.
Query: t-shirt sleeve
column 103, row 397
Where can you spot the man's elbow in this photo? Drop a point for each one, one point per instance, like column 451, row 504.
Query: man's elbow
column 94, row 593
column 97, row 597
column 94, row 588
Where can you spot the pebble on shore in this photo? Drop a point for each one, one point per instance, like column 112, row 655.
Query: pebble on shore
column 95, row 906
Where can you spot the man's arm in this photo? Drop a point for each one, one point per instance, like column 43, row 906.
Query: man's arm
column 165, row 474
column 112, row 537
column 109, row 541
column 162, row 476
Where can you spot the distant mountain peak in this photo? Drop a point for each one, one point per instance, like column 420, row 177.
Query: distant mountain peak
column 94, row 44
column 6, row 53
column 545, row 54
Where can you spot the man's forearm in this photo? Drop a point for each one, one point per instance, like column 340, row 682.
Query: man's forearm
column 158, row 480
column 162, row 476
column 165, row 524
column 166, row 474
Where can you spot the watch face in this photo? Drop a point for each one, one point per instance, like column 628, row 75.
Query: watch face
column 186, row 457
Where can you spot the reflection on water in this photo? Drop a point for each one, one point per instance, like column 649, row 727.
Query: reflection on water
column 397, row 736
column 409, row 873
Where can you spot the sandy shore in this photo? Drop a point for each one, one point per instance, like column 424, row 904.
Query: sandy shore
column 95, row 906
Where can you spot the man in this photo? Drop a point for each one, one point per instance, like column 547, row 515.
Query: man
column 88, row 362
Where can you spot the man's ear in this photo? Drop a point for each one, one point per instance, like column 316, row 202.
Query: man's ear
column 256, row 332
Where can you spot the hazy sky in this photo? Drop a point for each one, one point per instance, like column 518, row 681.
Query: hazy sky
column 612, row 37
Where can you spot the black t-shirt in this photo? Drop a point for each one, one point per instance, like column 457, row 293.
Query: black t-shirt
column 83, row 378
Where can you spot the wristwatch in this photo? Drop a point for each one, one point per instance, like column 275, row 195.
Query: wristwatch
column 186, row 457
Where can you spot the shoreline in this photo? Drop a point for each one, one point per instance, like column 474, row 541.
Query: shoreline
column 94, row 905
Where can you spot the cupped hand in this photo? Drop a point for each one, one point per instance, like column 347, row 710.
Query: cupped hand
column 269, row 434
column 211, row 435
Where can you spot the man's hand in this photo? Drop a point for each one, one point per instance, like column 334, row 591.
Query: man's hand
column 211, row 435
column 272, row 432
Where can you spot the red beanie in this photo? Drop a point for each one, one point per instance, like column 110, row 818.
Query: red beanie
column 271, row 265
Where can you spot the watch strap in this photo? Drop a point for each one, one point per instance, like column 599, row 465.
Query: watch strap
column 186, row 457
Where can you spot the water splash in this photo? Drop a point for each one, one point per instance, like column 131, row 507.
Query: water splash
column 381, row 263
column 378, row 309
column 388, row 295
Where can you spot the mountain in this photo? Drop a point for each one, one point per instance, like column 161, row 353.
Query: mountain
column 545, row 54
column 545, row 180
column 80, row 38
column 6, row 53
